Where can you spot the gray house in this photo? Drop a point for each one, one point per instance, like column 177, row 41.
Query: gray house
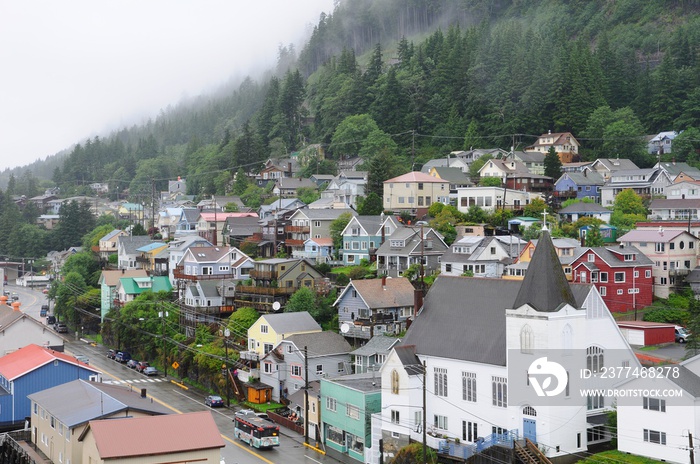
column 283, row 367
column 127, row 250
column 406, row 247
column 371, row 356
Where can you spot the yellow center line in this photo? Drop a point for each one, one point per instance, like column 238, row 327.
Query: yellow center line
column 244, row 448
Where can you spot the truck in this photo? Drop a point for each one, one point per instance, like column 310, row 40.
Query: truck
column 44, row 310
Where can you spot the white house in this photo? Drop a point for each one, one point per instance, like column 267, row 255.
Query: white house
column 490, row 198
column 483, row 256
column 478, row 340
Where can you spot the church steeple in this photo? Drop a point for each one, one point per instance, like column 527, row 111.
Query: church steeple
column 545, row 287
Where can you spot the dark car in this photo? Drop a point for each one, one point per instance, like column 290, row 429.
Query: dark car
column 111, row 354
column 141, row 366
column 122, row 357
column 149, row 371
column 214, row 401
column 60, row 327
column 132, row 363
column 44, row 310
column 50, row 320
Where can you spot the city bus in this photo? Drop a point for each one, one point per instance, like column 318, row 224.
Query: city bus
column 256, row 431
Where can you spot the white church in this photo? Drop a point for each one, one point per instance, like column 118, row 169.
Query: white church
column 477, row 338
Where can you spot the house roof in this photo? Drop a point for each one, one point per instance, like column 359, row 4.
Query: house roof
column 209, row 254
column 321, row 343
column 453, row 175
column 158, row 284
column 383, row 293
column 508, row 166
column 579, row 178
column 676, row 203
column 409, row 359
column 151, row 246
column 582, row 207
column 545, row 287
column 111, row 278
column 280, row 204
column 687, row 380
column 323, row 242
column 616, row 164
column 612, row 256
column 530, row 156
column 367, row 382
column 560, row 138
column 295, row 183
column 187, row 241
column 412, row 242
column 9, row 316
column 370, row 224
column 434, row 163
column 415, row 176
column 291, row 322
column 221, row 216
column 674, row 168
column 111, row 235
column 655, row 236
column 377, row 344
column 18, row 363
column 465, row 318
column 131, row 243
column 80, row 401
column 324, row 214
column 195, row 431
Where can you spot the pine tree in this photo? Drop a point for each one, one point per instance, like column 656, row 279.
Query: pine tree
column 552, row 164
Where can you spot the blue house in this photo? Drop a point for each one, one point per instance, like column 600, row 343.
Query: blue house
column 579, row 185
column 319, row 250
column 364, row 235
column 32, row 369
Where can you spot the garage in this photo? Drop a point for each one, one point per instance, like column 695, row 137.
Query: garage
column 642, row 333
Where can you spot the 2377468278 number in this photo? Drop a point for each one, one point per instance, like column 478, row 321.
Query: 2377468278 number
column 636, row 372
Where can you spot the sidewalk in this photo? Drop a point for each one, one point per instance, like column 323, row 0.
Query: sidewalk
column 671, row 353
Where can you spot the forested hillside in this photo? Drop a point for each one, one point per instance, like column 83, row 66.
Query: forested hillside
column 421, row 78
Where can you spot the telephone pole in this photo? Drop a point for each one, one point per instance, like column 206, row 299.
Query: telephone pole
column 306, row 396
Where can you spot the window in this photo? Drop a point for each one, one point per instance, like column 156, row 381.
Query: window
column 420, row 185
column 654, row 436
column 263, row 329
column 296, row 371
column 671, row 246
column 636, row 273
column 53, row 422
column 395, row 418
column 594, row 359
column 395, row 382
column 341, row 367
column 591, row 257
column 331, row 403
column 619, row 277
column 417, row 420
column 267, row 347
column 660, row 247
column 647, row 274
column 493, row 250
column 352, row 411
column 469, row 431
column 469, row 386
column 654, row 404
column 499, row 391
column 527, row 339
column 440, row 422
column 620, row 291
column 603, row 276
column 440, row 378
column 335, row 435
column 448, row 267
column 317, row 223
column 595, row 402
column 319, row 369
column 267, row 368
column 603, row 291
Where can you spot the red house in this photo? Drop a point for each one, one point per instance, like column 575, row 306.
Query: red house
column 621, row 274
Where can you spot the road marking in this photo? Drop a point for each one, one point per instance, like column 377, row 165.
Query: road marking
column 312, row 459
column 247, row 448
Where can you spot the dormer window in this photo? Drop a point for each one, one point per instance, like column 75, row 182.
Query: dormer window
column 629, row 257
column 396, row 243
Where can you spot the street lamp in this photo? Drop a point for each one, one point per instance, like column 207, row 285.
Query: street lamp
column 162, row 315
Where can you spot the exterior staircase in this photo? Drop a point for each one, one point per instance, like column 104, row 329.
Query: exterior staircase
column 528, row 453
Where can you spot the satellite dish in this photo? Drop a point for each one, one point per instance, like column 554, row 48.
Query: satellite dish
column 276, row 306
column 345, row 327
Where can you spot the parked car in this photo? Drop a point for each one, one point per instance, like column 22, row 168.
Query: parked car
column 50, row 320
column 214, row 401
column 141, row 366
column 149, row 371
column 6, row 293
column 111, row 354
column 682, row 334
column 44, row 310
column 45, row 291
column 60, row 327
column 132, row 363
column 15, row 296
column 122, row 356
column 82, row 358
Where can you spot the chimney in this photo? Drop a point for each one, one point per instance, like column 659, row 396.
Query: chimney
column 417, row 301
column 549, row 132
column 384, row 282
column 16, row 305
column 585, row 173
column 289, row 168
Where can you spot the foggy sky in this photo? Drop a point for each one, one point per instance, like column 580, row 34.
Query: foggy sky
column 71, row 69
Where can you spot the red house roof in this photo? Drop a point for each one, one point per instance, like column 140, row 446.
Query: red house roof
column 221, row 217
column 145, row 435
column 31, row 357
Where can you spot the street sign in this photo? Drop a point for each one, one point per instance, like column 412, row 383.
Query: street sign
column 175, row 365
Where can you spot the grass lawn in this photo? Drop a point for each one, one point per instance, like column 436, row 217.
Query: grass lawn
column 264, row 407
column 649, row 348
column 616, row 457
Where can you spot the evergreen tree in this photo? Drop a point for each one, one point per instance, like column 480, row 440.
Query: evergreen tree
column 593, row 236
column 370, row 206
column 240, row 183
column 552, row 164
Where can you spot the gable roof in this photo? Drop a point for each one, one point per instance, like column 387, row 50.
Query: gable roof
column 295, row 183
column 415, row 176
column 77, row 402
column 9, row 316
column 464, row 318
column 370, row 224
column 582, row 207
column 377, row 344
column 208, row 254
column 31, row 357
column 220, row 216
column 111, row 278
column 409, row 360
column 130, row 243
column 158, row 284
column 652, row 235
column 452, row 175
column 111, row 235
column 611, row 255
column 581, row 178
column 243, row 226
column 321, row 343
column 615, row 164
column 291, row 322
column 382, row 293
column 545, row 287
column 188, row 432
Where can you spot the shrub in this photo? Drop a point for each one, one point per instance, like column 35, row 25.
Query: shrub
column 668, row 316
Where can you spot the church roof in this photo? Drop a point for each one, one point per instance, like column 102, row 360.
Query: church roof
column 545, row 287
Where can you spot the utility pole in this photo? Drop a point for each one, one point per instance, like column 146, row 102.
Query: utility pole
column 692, row 451
column 306, row 396
column 162, row 315
column 425, row 433
column 227, row 333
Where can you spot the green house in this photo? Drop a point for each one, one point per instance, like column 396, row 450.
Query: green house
column 131, row 287
column 347, row 405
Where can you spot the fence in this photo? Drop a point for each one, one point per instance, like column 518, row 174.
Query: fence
column 466, row 451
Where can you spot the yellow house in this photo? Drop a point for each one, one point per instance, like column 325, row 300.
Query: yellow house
column 565, row 251
column 414, row 190
column 270, row 329
column 153, row 440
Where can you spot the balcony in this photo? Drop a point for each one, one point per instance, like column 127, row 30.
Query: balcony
column 272, row 291
column 263, row 275
column 375, row 319
column 297, row 229
column 294, row 242
column 565, row 193
column 179, row 273
column 679, row 271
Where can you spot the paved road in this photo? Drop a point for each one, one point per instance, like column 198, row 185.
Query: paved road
column 178, row 399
